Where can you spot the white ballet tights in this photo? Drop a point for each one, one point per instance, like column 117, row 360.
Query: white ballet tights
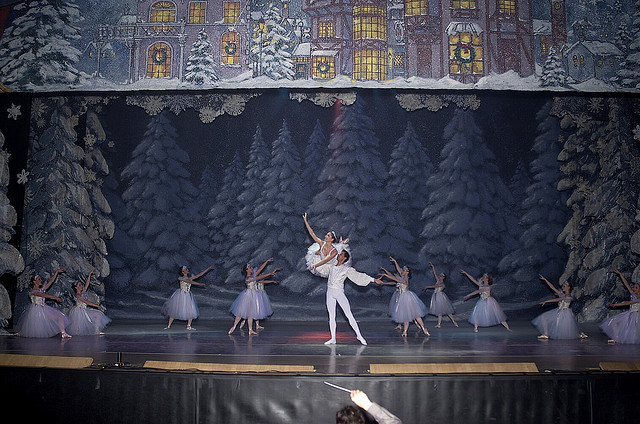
column 337, row 295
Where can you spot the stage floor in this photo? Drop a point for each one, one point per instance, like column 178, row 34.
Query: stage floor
column 132, row 343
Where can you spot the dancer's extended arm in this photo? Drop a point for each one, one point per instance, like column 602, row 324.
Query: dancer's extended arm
column 53, row 278
column 311, row 233
column 469, row 277
column 624, row 280
column 556, row 290
column 86, row 284
column 201, row 274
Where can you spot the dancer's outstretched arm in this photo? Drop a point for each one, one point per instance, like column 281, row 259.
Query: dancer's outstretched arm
column 86, row 284
column 616, row 305
column 551, row 300
column 469, row 277
column 53, row 278
column 471, row 294
column 202, row 273
column 332, row 255
column 556, row 290
column 267, row 275
column 311, row 233
column 393, row 261
column 264, row 264
column 624, row 280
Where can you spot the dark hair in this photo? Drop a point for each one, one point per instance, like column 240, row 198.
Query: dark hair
column 346, row 255
column 244, row 269
column 408, row 272
column 350, row 415
column 569, row 283
column 489, row 279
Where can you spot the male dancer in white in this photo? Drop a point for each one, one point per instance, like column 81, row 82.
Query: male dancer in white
column 335, row 293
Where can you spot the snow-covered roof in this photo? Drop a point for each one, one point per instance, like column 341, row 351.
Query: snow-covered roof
column 303, row 49
column 457, row 27
column 597, row 48
column 127, row 20
column 541, row 27
column 324, row 53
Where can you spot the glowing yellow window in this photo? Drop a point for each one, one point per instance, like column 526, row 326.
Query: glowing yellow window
column 507, row 6
column 325, row 29
column 415, row 7
column 159, row 61
column 575, row 60
column 370, row 65
column 369, row 23
column 544, row 47
column 463, row 4
column 466, row 54
column 231, row 48
column 398, row 60
column 197, row 10
column 324, row 67
column 231, row 12
column 581, row 60
column 163, row 11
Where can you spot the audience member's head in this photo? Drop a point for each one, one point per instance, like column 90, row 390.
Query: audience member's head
column 350, row 415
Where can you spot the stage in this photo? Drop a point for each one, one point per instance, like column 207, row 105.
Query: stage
column 138, row 372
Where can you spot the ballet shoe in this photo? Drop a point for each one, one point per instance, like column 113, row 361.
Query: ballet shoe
column 475, row 330
column 190, row 328
column 611, row 341
column 252, row 333
column 259, row 327
column 330, row 342
column 241, row 324
column 65, row 335
column 363, row 341
column 583, row 336
column 543, row 337
column 456, row 324
column 403, row 335
column 231, row 330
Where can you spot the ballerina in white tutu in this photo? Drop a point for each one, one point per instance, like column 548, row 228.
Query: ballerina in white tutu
column 249, row 304
column 182, row 305
column 86, row 321
column 408, row 306
column 322, row 253
column 39, row 319
column 487, row 311
column 624, row 327
column 265, row 301
column 440, row 304
column 559, row 323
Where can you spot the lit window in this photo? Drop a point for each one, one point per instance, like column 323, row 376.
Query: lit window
column 163, row 11
column 507, row 6
column 324, row 67
column 398, row 60
column 325, row 29
column 415, row 7
column 466, row 54
column 575, row 61
column 463, row 4
column 611, row 62
column 231, row 12
column 231, row 48
column 159, row 61
column 600, row 62
column 369, row 23
column 197, row 10
column 581, row 60
column 544, row 47
column 370, row 65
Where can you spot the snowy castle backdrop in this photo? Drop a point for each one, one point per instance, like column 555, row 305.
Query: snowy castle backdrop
column 582, row 45
column 137, row 185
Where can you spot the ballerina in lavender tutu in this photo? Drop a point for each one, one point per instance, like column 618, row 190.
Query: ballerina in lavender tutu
column 408, row 306
column 86, row 321
column 625, row 327
column 440, row 304
column 182, row 305
column 41, row 320
column 559, row 323
column 322, row 253
column 487, row 311
column 249, row 304
column 264, row 301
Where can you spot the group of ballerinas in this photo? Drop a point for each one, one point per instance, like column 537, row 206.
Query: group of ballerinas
column 41, row 320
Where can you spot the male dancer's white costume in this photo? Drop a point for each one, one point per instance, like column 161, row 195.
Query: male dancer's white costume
column 335, row 293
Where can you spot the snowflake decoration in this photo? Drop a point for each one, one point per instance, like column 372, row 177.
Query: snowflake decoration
column 36, row 244
column 14, row 112
column 90, row 176
column 234, row 105
column 111, row 144
column 38, row 108
column 325, row 99
column 24, row 279
column 23, row 177
column 28, row 196
column 581, row 121
column 89, row 140
column 208, row 115
column 595, row 105
column 636, row 133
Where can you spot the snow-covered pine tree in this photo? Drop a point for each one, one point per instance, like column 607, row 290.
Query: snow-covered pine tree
column 200, row 68
column 11, row 261
column 223, row 213
column 315, row 155
column 464, row 221
column 207, row 191
column 553, row 74
column 543, row 217
column 629, row 73
column 276, row 60
column 38, row 48
column 244, row 235
column 59, row 229
column 159, row 200
column 279, row 209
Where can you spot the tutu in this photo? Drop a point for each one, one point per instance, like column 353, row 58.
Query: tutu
column 394, row 301
column 314, row 255
column 249, row 304
column 181, row 304
column 86, row 321
column 440, row 303
column 559, row 323
column 624, row 327
column 40, row 320
column 408, row 307
column 264, row 300
column 487, row 312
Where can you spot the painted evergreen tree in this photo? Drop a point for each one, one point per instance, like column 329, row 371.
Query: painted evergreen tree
column 160, row 215
column 37, row 49
column 553, row 74
column 276, row 60
column 629, row 73
column 279, row 209
column 244, row 234
column 59, row 227
column 11, row 261
column 224, row 212
column 543, row 217
column 315, row 155
column 200, row 68
column 464, row 221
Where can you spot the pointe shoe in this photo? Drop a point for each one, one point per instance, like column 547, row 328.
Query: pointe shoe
column 437, row 326
column 167, row 327
column 330, row 342
column 403, row 335
column 583, row 336
column 231, row 330
column 456, row 324
column 251, row 332
column 363, row 341
column 475, row 330
column 190, row 328
column 543, row 337
column 259, row 327
column 241, row 324
column 611, row 341
column 65, row 335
